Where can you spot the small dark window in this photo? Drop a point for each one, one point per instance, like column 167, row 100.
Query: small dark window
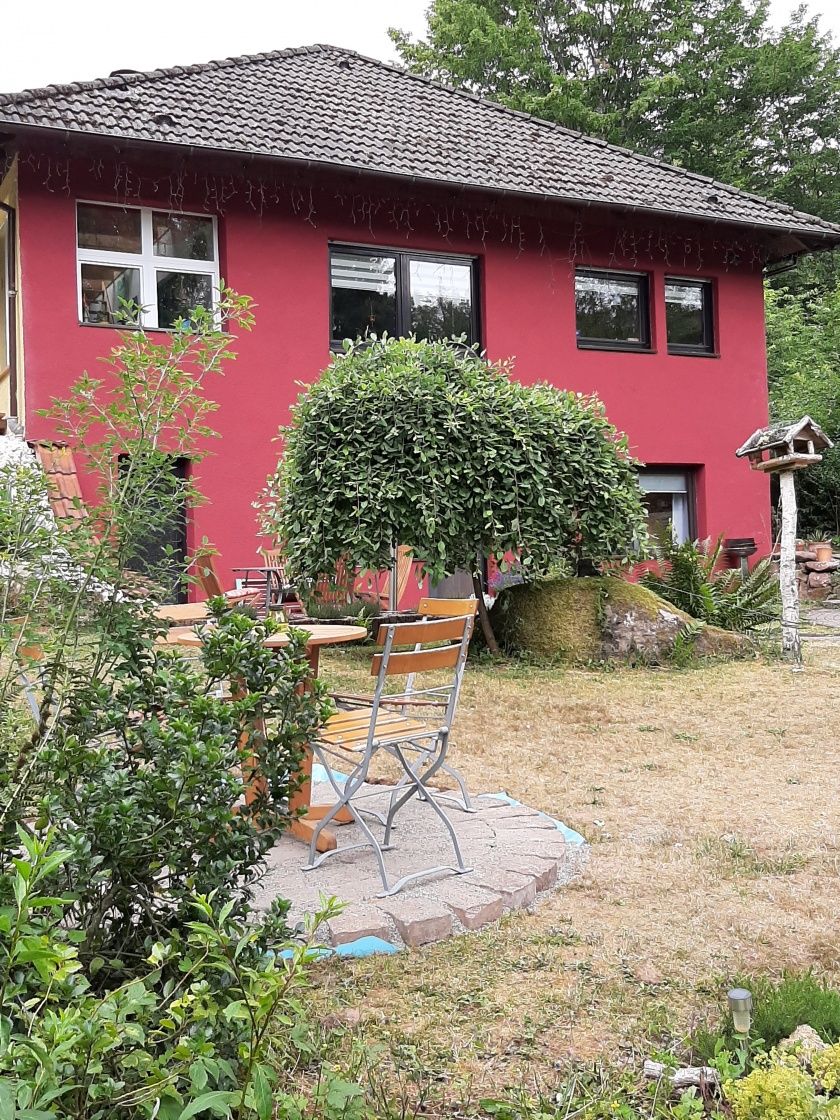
column 612, row 310
column 401, row 293
column 688, row 316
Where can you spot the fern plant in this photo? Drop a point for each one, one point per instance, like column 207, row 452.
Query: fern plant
column 689, row 576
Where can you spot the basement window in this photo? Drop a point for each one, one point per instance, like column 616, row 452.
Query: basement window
column 668, row 497
column 143, row 266
column 612, row 310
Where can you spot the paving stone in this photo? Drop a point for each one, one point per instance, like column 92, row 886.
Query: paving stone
column 506, row 812
column 514, row 850
column 516, row 890
column 418, row 920
column 472, row 906
column 537, row 843
column 358, row 921
column 511, row 824
column 543, row 870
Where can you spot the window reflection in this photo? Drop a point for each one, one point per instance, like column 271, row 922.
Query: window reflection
column 106, row 289
column 688, row 314
column 179, row 292
column 611, row 308
column 182, row 235
column 401, row 293
column 364, row 290
column 109, row 228
column 441, row 299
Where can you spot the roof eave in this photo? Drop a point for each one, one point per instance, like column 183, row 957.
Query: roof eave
column 802, row 241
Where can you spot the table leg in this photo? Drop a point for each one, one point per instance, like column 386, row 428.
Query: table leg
column 304, row 825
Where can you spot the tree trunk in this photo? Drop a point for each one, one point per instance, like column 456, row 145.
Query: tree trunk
column 483, row 615
column 791, row 646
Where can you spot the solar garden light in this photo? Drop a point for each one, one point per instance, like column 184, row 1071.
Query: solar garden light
column 740, row 1004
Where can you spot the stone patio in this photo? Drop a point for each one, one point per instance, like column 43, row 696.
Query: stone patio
column 516, row 854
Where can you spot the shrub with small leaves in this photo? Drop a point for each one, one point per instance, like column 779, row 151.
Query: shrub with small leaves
column 825, row 1065
column 777, row 1092
column 147, row 768
column 211, row 1023
column 403, row 441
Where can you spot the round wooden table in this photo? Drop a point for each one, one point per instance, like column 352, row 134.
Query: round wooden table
column 305, row 815
column 183, row 614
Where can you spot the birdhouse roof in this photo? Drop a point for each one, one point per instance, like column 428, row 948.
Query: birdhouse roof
column 777, row 434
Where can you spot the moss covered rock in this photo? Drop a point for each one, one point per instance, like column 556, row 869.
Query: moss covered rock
column 598, row 618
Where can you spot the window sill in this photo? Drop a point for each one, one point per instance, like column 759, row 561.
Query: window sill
column 616, row 347
column 129, row 327
column 687, row 352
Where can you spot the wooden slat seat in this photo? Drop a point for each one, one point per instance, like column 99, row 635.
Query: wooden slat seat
column 350, row 730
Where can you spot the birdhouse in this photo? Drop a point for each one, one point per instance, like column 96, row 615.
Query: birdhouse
column 785, row 447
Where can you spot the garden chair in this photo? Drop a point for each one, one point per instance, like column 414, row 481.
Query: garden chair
column 208, row 577
column 377, row 585
column 283, row 593
column 358, row 734
column 443, row 608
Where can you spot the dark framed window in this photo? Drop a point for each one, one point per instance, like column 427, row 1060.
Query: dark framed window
column 374, row 291
column 612, row 310
column 689, row 318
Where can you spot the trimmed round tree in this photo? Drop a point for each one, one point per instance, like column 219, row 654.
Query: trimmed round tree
column 428, row 445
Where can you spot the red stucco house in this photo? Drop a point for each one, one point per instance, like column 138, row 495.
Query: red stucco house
column 346, row 195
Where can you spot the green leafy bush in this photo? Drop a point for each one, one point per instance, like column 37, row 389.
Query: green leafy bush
column 689, row 577
column 145, row 768
column 212, row 1020
column 778, row 1092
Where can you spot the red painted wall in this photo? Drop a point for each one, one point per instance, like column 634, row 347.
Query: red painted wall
column 686, row 411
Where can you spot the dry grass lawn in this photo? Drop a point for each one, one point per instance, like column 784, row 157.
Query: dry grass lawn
column 710, row 799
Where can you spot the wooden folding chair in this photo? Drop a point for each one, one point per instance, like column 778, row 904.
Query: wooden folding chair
column 444, row 608
column 357, row 735
column 281, row 592
column 377, row 585
column 208, row 577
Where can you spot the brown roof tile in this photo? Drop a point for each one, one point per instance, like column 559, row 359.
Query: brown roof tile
column 332, row 107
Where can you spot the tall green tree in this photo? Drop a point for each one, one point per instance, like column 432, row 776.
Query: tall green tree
column 707, row 84
column 803, row 359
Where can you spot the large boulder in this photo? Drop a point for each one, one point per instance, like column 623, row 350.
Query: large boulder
column 598, row 618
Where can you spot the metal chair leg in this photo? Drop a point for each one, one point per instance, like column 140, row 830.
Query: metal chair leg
column 462, row 868
column 357, row 778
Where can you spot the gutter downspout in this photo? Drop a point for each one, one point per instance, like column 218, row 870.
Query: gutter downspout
column 10, row 265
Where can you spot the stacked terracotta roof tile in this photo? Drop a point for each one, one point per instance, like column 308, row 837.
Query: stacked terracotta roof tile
column 63, row 481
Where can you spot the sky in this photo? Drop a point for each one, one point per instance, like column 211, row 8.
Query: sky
column 57, row 41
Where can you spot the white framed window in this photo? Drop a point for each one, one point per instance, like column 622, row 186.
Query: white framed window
column 668, row 498
column 165, row 261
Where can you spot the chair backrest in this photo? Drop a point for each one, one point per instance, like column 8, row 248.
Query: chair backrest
column 273, row 558
column 208, row 577
column 437, row 644
column 446, row 608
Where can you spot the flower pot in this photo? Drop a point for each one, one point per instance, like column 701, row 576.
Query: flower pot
column 823, row 551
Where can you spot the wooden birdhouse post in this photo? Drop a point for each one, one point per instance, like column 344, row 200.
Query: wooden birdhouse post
column 782, row 449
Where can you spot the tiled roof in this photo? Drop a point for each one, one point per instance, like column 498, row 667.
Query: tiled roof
column 332, row 107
